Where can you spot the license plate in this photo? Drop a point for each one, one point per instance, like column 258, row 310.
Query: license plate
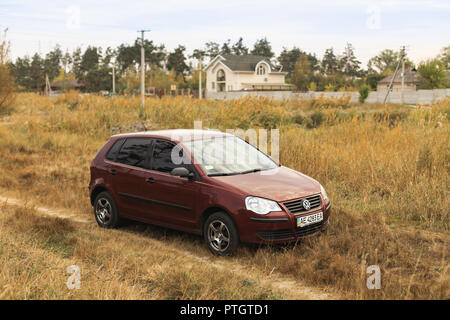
column 309, row 219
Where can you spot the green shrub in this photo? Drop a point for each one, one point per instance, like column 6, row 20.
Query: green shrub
column 363, row 93
column 299, row 118
column 317, row 118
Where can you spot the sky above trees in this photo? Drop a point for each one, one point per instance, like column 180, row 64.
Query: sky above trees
column 313, row 26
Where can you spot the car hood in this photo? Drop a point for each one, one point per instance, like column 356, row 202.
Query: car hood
column 278, row 184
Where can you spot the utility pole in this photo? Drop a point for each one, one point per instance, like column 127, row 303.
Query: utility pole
column 143, row 68
column 200, row 78
column 48, row 88
column 114, row 78
column 401, row 61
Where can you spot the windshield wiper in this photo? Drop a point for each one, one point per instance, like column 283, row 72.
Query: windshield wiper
column 252, row 170
column 220, row 174
column 235, row 173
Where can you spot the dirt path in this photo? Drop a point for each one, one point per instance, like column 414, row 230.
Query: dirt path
column 291, row 289
column 46, row 211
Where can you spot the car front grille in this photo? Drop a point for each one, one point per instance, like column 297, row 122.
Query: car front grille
column 275, row 234
column 287, row 234
column 296, row 206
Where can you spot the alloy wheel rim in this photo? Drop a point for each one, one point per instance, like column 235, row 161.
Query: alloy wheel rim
column 218, row 235
column 103, row 211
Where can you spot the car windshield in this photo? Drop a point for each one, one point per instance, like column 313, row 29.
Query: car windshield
column 222, row 156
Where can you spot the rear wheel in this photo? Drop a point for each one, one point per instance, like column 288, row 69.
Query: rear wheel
column 220, row 233
column 105, row 211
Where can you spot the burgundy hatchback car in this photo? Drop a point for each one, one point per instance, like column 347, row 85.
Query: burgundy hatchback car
column 204, row 182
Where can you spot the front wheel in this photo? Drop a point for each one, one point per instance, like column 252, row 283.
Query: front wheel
column 220, row 233
column 105, row 211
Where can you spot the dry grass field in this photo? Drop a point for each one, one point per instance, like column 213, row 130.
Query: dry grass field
column 385, row 168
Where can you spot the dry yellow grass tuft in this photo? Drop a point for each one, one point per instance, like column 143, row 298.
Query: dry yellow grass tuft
column 385, row 169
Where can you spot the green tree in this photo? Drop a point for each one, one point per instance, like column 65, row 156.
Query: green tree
column 89, row 68
column 89, row 60
column 66, row 60
column 108, row 56
column 130, row 55
column 193, row 81
column 372, row 79
column 96, row 70
column 98, row 79
column 302, row 73
column 263, row 48
column 212, row 49
column 37, row 76
column 7, row 87
column 432, row 74
column 158, row 78
column 329, row 64
column 445, row 57
column 76, row 63
column 288, row 59
column 198, row 54
column 226, row 47
column 239, row 48
column 386, row 62
column 350, row 66
column 129, row 82
column 176, row 61
column 52, row 63
column 21, row 70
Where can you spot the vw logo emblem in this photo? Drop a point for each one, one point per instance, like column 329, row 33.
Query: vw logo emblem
column 306, row 204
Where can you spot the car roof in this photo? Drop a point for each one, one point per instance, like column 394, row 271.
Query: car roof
column 181, row 135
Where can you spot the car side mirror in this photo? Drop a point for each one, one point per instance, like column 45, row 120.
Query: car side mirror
column 182, row 172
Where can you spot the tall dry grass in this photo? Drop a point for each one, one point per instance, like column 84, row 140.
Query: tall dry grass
column 385, row 169
column 36, row 250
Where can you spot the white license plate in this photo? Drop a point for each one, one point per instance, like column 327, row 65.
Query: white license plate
column 309, row 219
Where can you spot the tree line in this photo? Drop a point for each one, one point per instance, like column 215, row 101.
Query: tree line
column 93, row 66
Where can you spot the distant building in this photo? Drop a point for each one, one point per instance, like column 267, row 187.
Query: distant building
column 410, row 82
column 247, row 72
column 67, row 85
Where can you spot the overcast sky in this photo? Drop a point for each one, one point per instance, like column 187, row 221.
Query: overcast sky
column 313, row 26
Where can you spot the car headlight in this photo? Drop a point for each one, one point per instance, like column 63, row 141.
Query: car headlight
column 261, row 205
column 324, row 193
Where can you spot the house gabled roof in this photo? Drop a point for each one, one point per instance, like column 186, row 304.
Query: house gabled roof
column 410, row 77
column 243, row 63
column 71, row 83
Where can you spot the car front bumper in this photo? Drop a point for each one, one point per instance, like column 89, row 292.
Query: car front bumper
column 282, row 229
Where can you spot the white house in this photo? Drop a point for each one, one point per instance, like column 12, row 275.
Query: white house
column 246, row 72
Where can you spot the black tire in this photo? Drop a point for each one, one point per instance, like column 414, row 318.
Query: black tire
column 105, row 211
column 225, row 239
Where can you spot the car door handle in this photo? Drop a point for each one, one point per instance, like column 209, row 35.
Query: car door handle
column 150, row 180
column 112, row 171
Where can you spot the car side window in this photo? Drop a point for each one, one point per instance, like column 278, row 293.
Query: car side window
column 114, row 150
column 134, row 152
column 162, row 156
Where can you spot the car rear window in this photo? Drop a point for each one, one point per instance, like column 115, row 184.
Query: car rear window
column 134, row 152
column 114, row 150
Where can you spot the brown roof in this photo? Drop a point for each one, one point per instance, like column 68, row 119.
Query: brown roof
column 410, row 77
column 69, row 83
